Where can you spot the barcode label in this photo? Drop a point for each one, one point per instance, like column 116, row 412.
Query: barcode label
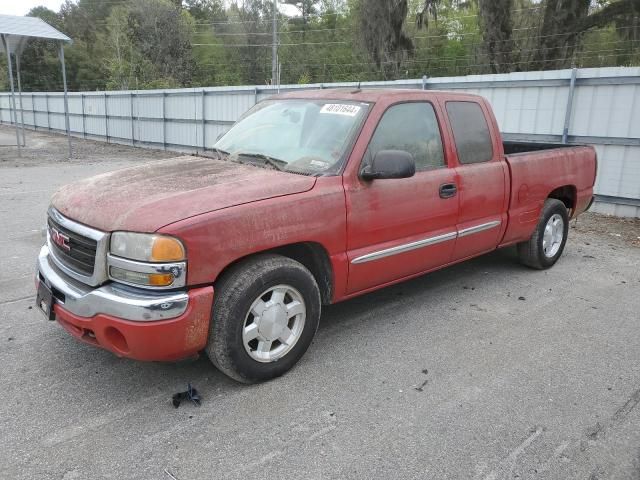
column 341, row 109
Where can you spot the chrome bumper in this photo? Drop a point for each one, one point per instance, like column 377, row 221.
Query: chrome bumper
column 111, row 299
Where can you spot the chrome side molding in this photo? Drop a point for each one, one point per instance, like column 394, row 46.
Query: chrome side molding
column 407, row 247
column 478, row 228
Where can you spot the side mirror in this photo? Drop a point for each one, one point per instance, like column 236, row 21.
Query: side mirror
column 390, row 164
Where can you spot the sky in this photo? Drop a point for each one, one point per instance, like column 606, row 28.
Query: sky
column 22, row 7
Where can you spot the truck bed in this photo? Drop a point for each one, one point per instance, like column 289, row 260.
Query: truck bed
column 567, row 170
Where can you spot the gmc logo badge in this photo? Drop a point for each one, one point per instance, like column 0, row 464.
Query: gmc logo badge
column 60, row 239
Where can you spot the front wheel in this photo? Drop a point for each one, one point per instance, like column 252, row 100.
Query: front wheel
column 265, row 314
column 546, row 245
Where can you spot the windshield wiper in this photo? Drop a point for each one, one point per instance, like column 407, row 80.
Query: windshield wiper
column 276, row 163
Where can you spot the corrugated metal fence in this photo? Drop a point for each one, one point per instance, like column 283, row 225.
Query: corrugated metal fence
column 598, row 106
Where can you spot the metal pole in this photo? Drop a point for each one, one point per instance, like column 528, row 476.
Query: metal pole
column 24, row 140
column 274, row 47
column 13, row 93
column 106, row 117
column 567, row 115
column 33, row 113
column 164, row 121
column 204, row 123
column 84, row 128
column 133, row 140
column 46, row 100
column 66, row 100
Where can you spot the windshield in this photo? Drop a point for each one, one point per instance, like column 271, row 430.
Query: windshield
column 300, row 136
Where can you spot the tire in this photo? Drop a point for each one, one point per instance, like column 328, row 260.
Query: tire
column 256, row 285
column 540, row 251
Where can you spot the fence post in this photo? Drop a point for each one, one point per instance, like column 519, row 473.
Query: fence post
column 424, row 82
column 567, row 114
column 33, row 113
column 204, row 123
column 106, row 117
column 164, row 120
column 133, row 140
column 84, row 128
column 46, row 99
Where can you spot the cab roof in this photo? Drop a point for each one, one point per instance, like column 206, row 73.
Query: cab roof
column 372, row 95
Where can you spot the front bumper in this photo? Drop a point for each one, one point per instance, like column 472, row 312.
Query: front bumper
column 130, row 322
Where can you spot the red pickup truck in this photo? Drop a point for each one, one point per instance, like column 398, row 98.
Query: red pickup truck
column 310, row 198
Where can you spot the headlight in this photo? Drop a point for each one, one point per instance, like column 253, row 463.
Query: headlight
column 147, row 260
column 147, row 247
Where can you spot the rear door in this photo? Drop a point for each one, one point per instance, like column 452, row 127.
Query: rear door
column 397, row 228
column 481, row 177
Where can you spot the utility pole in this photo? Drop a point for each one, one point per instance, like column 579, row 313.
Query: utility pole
column 274, row 48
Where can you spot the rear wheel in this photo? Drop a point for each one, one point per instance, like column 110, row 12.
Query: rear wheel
column 265, row 314
column 546, row 245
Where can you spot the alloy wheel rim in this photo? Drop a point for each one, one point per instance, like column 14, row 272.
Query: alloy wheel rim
column 274, row 323
column 553, row 235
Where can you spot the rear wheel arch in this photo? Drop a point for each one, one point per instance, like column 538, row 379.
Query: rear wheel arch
column 567, row 194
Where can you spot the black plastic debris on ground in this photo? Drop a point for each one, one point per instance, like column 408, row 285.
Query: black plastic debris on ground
column 191, row 394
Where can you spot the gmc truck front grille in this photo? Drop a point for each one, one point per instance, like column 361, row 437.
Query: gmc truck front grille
column 74, row 250
column 78, row 250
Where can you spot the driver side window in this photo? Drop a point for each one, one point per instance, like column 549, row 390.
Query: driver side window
column 412, row 127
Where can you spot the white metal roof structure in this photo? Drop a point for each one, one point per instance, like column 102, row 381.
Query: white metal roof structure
column 15, row 33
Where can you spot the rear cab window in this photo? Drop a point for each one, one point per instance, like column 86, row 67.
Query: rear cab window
column 470, row 132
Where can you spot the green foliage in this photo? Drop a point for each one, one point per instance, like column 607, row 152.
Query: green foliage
column 139, row 44
column 304, row 79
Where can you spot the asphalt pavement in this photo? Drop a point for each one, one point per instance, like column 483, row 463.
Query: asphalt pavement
column 486, row 370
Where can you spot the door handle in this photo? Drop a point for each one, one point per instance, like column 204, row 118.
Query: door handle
column 448, row 190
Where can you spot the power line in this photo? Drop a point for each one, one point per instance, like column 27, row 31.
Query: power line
column 296, row 44
column 228, row 45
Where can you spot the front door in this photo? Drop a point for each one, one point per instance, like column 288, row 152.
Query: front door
column 401, row 227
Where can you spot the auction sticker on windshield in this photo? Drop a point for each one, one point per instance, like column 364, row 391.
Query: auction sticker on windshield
column 341, row 109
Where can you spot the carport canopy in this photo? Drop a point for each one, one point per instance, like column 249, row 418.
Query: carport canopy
column 15, row 32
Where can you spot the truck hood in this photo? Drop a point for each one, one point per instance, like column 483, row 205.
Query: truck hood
column 147, row 197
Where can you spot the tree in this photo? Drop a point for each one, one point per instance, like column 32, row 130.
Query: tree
column 566, row 21
column 497, row 26
column 206, row 10
column 429, row 9
column 123, row 44
column 122, row 62
column 250, row 45
column 39, row 64
column 383, row 34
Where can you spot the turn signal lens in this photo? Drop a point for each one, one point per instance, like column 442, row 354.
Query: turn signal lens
column 167, row 249
column 160, row 279
column 139, row 278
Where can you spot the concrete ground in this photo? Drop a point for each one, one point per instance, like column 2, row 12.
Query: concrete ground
column 486, row 370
